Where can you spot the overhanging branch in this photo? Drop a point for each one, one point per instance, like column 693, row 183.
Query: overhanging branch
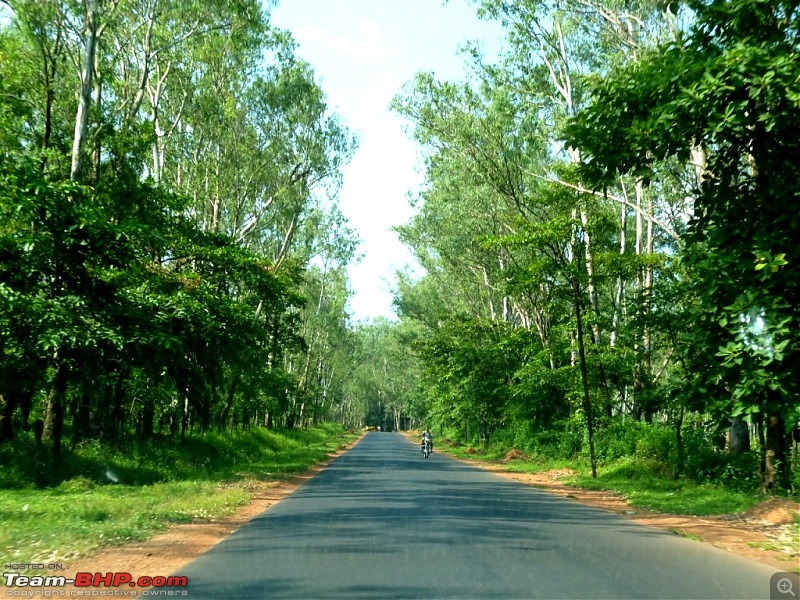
column 583, row 190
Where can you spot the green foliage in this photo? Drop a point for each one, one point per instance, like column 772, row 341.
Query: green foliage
column 165, row 287
column 645, row 482
column 156, row 484
column 684, row 275
column 648, row 487
column 212, row 457
column 726, row 95
column 466, row 376
column 79, row 285
column 637, row 440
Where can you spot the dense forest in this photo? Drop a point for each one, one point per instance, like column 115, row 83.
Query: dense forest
column 172, row 258
column 608, row 232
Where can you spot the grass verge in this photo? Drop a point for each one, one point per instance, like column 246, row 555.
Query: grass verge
column 646, row 486
column 121, row 497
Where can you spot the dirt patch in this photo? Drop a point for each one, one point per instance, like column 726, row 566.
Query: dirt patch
column 165, row 553
column 514, row 454
column 766, row 534
column 776, row 511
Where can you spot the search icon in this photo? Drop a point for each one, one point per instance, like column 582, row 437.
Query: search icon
column 785, row 586
column 782, row 586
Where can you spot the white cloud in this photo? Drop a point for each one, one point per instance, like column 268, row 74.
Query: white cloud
column 367, row 43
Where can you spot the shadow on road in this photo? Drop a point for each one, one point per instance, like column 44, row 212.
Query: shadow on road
column 381, row 521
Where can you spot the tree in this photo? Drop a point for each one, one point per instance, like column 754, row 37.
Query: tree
column 727, row 89
column 167, row 289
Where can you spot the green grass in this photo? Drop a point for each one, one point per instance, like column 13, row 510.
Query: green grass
column 77, row 517
column 764, row 546
column 465, row 451
column 545, row 464
column 157, row 484
column 646, row 486
column 536, row 465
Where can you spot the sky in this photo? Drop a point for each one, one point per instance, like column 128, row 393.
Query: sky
column 362, row 52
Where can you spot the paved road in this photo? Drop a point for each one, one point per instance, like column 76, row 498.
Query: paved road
column 383, row 522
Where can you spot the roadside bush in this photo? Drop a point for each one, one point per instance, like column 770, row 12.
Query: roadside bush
column 618, row 439
column 565, row 439
column 738, row 473
column 212, row 456
column 574, row 440
column 701, row 458
column 656, row 443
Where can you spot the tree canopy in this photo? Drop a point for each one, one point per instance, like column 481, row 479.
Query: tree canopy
column 619, row 175
column 607, row 233
column 173, row 257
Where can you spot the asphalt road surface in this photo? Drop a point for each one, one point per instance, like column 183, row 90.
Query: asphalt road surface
column 383, row 522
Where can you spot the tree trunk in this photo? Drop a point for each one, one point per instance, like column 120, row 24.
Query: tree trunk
column 54, row 417
column 48, row 111
column 216, row 210
column 638, row 410
column 185, row 415
column 229, row 401
column 85, row 96
column 619, row 296
column 587, row 404
column 25, row 407
column 776, row 471
column 591, row 288
column 679, row 440
column 646, row 303
column 699, row 158
column 98, row 98
column 81, row 421
column 593, row 302
column 49, row 80
column 738, row 437
column 116, row 415
column 9, row 402
column 147, row 417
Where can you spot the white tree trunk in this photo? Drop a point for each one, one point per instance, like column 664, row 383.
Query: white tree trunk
column 619, row 297
column 492, row 314
column 85, row 96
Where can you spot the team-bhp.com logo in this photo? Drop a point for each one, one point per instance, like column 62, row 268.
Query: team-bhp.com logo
column 20, row 585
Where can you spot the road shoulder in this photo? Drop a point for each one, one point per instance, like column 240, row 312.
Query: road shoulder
column 762, row 534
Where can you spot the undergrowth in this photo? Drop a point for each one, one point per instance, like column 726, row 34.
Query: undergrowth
column 101, row 497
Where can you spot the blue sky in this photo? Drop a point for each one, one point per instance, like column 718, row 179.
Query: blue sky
column 363, row 51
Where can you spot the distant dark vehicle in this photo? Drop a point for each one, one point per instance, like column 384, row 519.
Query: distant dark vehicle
column 426, row 448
